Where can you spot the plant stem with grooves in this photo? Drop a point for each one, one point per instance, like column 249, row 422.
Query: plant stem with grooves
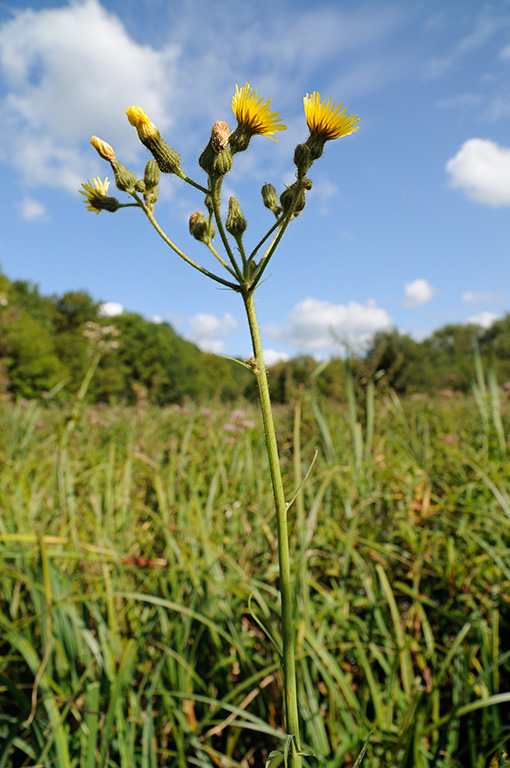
column 288, row 646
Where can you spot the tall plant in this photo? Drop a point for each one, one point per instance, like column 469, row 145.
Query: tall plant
column 242, row 269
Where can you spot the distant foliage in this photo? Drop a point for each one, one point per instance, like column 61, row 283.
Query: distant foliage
column 43, row 346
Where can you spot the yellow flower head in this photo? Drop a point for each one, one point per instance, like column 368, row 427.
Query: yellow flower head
column 146, row 129
column 253, row 113
column 137, row 116
column 93, row 192
column 325, row 120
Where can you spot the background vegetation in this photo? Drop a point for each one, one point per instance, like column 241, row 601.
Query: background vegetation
column 44, row 348
column 138, row 570
column 138, row 582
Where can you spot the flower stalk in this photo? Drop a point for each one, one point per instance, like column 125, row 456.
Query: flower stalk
column 286, row 589
column 254, row 117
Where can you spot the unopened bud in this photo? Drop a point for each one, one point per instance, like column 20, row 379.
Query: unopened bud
column 216, row 159
column 124, row 179
column 152, row 174
column 151, row 196
column 287, row 199
column 199, row 227
column 303, row 158
column 235, row 223
column 104, row 150
column 270, row 198
column 167, row 158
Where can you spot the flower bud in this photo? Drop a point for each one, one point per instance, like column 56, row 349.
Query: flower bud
column 199, row 227
column 303, row 158
column 124, row 179
column 152, row 174
column 151, row 196
column 167, row 159
column 270, row 198
column 140, row 186
column 287, row 199
column 235, row 223
column 216, row 159
column 104, row 150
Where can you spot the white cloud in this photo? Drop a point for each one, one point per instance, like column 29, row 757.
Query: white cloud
column 208, row 331
column 69, row 73
column 475, row 296
column 485, row 319
column 110, row 309
column 417, row 293
column 317, row 325
column 271, row 357
column 32, row 210
column 481, row 168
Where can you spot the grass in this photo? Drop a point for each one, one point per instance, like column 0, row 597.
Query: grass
column 139, row 600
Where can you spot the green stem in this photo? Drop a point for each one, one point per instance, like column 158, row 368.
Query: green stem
column 268, row 234
column 214, row 197
column 178, row 251
column 284, row 222
column 288, row 642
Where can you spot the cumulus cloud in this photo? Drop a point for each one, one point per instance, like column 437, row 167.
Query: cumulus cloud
column 208, row 331
column 68, row 73
column 32, row 210
column 110, row 309
column 271, row 357
column 484, row 319
column 417, row 293
column 315, row 324
column 481, row 168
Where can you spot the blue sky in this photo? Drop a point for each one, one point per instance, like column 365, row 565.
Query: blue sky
column 408, row 221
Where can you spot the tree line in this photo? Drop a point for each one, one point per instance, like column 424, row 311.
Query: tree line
column 48, row 346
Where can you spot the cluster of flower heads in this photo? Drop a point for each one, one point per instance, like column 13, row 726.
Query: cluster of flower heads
column 326, row 121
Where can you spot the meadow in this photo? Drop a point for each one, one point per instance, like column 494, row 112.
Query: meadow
column 139, row 621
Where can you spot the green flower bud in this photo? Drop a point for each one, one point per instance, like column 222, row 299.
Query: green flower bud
column 124, row 179
column 140, row 186
column 287, row 199
column 151, row 196
column 215, row 163
column 303, row 158
column 152, row 175
column 168, row 160
column 216, row 159
column 235, row 223
column 270, row 198
column 199, row 227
